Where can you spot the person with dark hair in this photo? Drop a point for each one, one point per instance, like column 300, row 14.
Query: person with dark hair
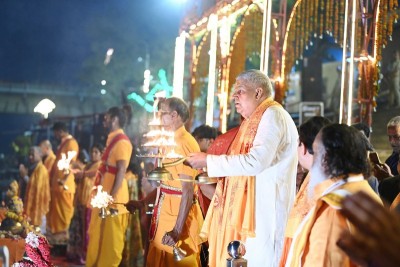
column 251, row 203
column 365, row 130
column 177, row 218
column 339, row 166
column 78, row 231
column 62, row 188
column 59, row 127
column 393, row 133
column 205, row 136
column 302, row 203
column 389, row 187
column 107, row 235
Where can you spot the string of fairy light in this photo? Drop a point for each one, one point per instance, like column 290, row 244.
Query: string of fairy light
column 309, row 20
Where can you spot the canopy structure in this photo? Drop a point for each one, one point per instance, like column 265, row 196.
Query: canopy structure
column 233, row 36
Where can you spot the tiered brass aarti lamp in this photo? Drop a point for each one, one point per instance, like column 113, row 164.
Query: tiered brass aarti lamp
column 163, row 141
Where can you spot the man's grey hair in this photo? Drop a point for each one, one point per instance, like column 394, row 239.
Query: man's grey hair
column 46, row 143
column 394, row 122
column 178, row 105
column 38, row 150
column 257, row 79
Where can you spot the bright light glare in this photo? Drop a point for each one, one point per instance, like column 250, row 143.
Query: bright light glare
column 103, row 91
column 44, row 107
column 110, row 51
column 179, row 1
column 103, row 82
column 146, row 81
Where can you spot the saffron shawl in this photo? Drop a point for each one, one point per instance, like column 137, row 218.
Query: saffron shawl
column 231, row 215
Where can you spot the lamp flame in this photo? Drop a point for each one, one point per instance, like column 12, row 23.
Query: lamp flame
column 63, row 163
column 102, row 199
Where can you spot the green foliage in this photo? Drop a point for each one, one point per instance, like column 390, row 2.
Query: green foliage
column 21, row 145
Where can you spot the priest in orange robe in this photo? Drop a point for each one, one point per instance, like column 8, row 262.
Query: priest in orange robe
column 62, row 189
column 37, row 196
column 339, row 168
column 302, row 203
column 48, row 156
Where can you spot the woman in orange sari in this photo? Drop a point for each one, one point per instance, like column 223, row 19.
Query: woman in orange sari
column 78, row 237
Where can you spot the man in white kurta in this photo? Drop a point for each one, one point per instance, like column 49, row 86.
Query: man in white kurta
column 271, row 159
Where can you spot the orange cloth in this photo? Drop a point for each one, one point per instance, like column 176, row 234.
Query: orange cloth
column 395, row 202
column 2, row 214
column 220, row 146
column 301, row 206
column 85, row 186
column 234, row 198
column 62, row 201
column 107, row 236
column 315, row 243
column 160, row 255
column 37, row 196
column 122, row 150
column 49, row 161
column 16, row 248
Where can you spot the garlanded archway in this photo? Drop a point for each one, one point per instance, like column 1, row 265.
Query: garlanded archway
column 364, row 37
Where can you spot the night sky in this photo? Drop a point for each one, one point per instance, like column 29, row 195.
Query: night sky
column 46, row 41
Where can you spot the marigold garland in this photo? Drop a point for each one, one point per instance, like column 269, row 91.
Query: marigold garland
column 328, row 17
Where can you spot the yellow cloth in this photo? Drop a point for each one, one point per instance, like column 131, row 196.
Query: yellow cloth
column 106, row 240
column 301, row 206
column 121, row 150
column 233, row 204
column 37, row 197
column 133, row 249
column 159, row 254
column 49, row 161
column 315, row 244
column 85, row 186
column 107, row 236
column 62, row 201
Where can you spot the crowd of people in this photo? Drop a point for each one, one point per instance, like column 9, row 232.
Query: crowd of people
column 305, row 196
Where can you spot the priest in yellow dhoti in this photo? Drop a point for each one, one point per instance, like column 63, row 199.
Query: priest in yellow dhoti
column 62, row 189
column 252, row 202
column 302, row 203
column 107, row 235
column 37, row 196
column 177, row 217
column 339, row 166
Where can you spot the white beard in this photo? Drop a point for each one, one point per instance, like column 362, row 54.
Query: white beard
column 317, row 176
